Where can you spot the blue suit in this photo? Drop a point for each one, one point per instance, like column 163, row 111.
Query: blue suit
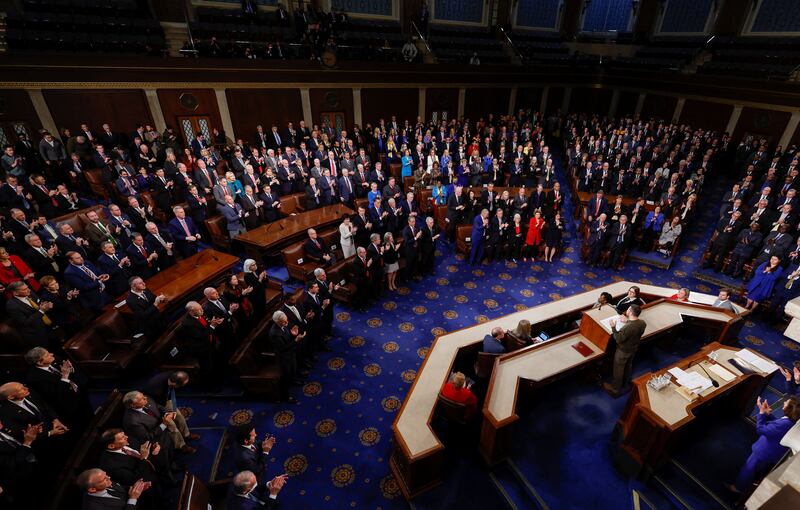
column 792, row 388
column 491, row 345
column 235, row 502
column 766, row 451
column 186, row 248
column 92, row 292
column 478, row 233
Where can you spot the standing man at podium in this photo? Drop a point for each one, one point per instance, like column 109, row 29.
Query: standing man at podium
column 627, row 334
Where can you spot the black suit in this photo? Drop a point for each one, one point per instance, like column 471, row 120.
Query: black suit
column 15, row 418
column 28, row 322
column 127, row 469
column 283, row 344
column 148, row 317
column 118, row 502
column 17, row 464
column 252, row 459
column 202, row 343
column 71, row 404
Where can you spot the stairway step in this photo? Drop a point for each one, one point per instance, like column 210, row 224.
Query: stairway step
column 516, row 491
column 685, row 491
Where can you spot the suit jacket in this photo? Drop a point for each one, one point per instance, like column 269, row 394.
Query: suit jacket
column 91, row 295
column 119, row 503
column 177, row 231
column 148, row 316
column 236, row 502
column 15, row 418
column 596, row 207
column 66, row 244
column 96, row 235
column 17, row 462
column 453, row 214
column 282, row 343
column 125, row 469
column 315, row 252
column 118, row 276
column 40, row 264
column 198, row 340
column 141, row 426
column 233, row 216
column 27, row 321
column 250, row 459
column 491, row 345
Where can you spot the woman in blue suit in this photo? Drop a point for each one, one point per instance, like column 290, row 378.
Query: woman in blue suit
column 763, row 281
column 651, row 228
column 767, row 449
column 408, row 164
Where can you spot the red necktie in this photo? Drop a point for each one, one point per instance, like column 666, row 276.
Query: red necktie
column 144, row 253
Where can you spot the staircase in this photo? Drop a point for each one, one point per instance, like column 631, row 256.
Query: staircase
column 517, row 492
column 175, row 35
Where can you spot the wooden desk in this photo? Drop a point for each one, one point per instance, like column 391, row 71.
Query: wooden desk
column 186, row 277
column 278, row 234
column 418, row 454
column 541, row 364
column 652, row 421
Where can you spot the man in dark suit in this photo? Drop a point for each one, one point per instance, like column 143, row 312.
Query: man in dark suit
column 317, row 250
column 283, row 341
column 185, row 232
column 618, row 240
column 117, row 266
column 243, row 493
column 161, row 191
column 126, row 464
column 40, row 258
column 430, row 234
column 17, row 465
column 249, row 454
column 138, row 215
column 218, row 307
column 363, row 226
column 143, row 262
column 455, row 211
column 598, row 238
column 144, row 305
column 89, row 280
column 776, row 244
column 146, row 421
column 326, row 289
column 553, row 202
column 161, row 242
column 411, row 244
column 29, row 315
column 59, row 385
column 19, row 408
column 727, row 231
column 67, row 241
column 101, row 493
column 361, row 269
column 162, row 389
column 199, row 339
column 347, row 190
column 206, row 179
column 597, row 205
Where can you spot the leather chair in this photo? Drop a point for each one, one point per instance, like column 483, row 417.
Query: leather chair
column 218, row 229
column 361, row 202
column 146, row 199
column 165, row 354
column 12, row 350
column 341, row 272
column 425, row 201
column 513, row 343
column 104, row 349
column 395, row 169
column 484, row 364
column 77, row 219
column 258, row 369
column 452, row 411
column 86, row 453
column 94, row 177
column 463, row 232
column 303, row 271
column 294, row 203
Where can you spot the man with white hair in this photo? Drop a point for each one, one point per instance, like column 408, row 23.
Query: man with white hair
column 19, row 409
column 218, row 307
column 200, row 341
column 101, row 493
column 284, row 342
column 493, row 343
column 244, row 493
column 145, row 421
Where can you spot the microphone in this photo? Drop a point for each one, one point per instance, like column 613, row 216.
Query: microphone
column 713, row 382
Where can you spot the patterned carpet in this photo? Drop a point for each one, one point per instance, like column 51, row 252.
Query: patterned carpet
column 336, row 442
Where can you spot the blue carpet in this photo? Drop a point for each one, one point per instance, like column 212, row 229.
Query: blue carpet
column 336, row 442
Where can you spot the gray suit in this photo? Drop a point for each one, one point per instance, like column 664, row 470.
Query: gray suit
column 53, row 152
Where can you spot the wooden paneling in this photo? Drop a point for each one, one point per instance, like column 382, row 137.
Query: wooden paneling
column 480, row 102
column 763, row 122
column 172, row 108
column 383, row 103
column 555, row 97
column 590, row 100
column 659, row 107
column 528, row 97
column 122, row 109
column 16, row 106
column 438, row 100
column 250, row 107
column 333, row 100
column 627, row 103
column 705, row 114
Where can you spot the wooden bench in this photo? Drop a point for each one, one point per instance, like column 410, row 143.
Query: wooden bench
column 106, row 347
column 258, row 369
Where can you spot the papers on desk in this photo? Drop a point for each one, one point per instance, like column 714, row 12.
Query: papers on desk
column 721, row 372
column 692, row 381
column 756, row 361
column 607, row 322
column 702, row 299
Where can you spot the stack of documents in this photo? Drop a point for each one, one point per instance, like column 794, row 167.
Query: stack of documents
column 759, row 363
column 692, row 381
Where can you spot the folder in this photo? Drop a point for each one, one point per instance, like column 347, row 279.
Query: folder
column 582, row 348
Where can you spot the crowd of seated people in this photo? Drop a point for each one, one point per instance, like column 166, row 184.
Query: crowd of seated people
column 88, row 218
column 645, row 178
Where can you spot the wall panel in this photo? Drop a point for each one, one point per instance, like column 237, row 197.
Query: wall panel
column 250, row 107
column 170, row 100
column 438, row 100
column 627, row 103
column 333, row 100
column 480, row 102
column 16, row 106
column 659, row 107
column 764, row 122
column 705, row 114
column 122, row 109
column 528, row 97
column 590, row 100
column 554, row 98
column 383, row 103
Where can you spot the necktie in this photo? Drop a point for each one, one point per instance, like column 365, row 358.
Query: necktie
column 130, row 452
column 45, row 318
column 31, row 408
column 149, row 412
column 185, row 228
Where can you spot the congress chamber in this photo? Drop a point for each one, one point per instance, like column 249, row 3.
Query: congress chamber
column 425, row 254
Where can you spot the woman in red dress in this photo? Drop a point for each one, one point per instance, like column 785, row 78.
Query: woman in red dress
column 534, row 237
column 13, row 269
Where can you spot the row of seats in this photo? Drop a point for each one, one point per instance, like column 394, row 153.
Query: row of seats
column 36, row 40
column 127, row 8
column 66, row 22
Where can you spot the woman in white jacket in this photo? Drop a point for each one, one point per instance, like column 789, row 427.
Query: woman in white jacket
column 346, row 232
